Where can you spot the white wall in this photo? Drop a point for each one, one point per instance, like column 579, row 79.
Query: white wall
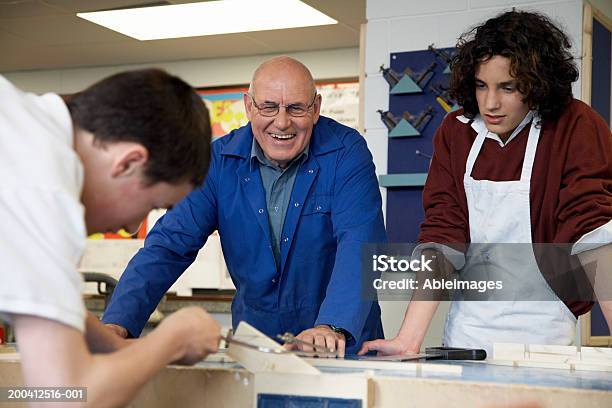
column 409, row 25
column 324, row 64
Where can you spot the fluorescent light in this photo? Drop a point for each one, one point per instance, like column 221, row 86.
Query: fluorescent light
column 208, row 18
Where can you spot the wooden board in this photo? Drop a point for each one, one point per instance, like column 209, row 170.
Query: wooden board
column 552, row 356
column 412, row 367
column 257, row 361
column 596, row 354
column 219, row 387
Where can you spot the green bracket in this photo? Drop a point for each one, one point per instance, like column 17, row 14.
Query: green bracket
column 402, row 180
column 404, row 129
column 405, row 86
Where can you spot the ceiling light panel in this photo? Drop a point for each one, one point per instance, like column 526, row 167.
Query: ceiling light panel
column 208, row 18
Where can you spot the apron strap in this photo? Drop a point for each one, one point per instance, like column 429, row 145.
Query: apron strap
column 532, row 146
column 480, row 128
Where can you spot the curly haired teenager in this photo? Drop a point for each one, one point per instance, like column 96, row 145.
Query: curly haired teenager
column 522, row 163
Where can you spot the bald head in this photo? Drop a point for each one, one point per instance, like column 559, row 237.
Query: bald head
column 283, row 69
column 283, row 108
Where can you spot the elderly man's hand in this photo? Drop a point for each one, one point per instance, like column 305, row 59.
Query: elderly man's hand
column 323, row 336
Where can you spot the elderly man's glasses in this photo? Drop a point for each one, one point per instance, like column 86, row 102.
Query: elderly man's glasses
column 270, row 109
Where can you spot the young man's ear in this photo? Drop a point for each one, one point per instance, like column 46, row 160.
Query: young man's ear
column 129, row 160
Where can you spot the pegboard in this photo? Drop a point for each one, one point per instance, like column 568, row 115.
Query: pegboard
column 404, row 203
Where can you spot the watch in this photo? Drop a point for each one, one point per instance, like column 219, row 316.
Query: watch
column 347, row 335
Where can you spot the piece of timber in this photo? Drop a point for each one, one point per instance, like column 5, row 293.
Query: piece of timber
column 571, row 366
column 257, row 361
column 357, row 364
column 551, row 353
column 508, row 351
column 413, row 367
column 552, row 356
column 596, row 354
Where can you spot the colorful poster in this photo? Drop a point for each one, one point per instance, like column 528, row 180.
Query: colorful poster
column 340, row 101
column 226, row 109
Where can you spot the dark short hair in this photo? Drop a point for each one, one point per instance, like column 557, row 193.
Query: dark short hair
column 539, row 60
column 153, row 108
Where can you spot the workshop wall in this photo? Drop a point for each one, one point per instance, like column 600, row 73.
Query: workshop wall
column 324, row 64
column 399, row 26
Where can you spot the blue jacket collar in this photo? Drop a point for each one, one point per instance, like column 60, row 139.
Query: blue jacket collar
column 240, row 141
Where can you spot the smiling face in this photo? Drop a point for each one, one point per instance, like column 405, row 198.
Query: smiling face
column 500, row 103
column 282, row 81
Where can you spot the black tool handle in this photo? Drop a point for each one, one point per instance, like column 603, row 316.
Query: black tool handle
column 454, row 353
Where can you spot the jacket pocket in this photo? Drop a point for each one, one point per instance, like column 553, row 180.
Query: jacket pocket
column 317, row 204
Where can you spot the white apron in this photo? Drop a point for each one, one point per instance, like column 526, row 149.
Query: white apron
column 499, row 212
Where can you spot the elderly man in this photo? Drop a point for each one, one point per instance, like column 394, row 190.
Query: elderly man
column 293, row 196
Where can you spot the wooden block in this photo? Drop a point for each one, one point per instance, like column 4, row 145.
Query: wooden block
column 569, row 351
column 508, row 351
column 551, row 353
column 551, row 358
column 544, row 364
column 576, row 365
column 360, row 364
column 527, row 363
column 592, row 366
column 257, row 361
column 439, row 368
column 596, row 354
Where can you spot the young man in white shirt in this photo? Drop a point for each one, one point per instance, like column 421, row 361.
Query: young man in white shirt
column 98, row 162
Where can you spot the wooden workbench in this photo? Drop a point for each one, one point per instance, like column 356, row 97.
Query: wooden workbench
column 226, row 384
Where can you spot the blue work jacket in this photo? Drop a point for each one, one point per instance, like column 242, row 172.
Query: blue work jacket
column 335, row 206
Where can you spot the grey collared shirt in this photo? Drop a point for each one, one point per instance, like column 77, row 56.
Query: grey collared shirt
column 278, row 184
